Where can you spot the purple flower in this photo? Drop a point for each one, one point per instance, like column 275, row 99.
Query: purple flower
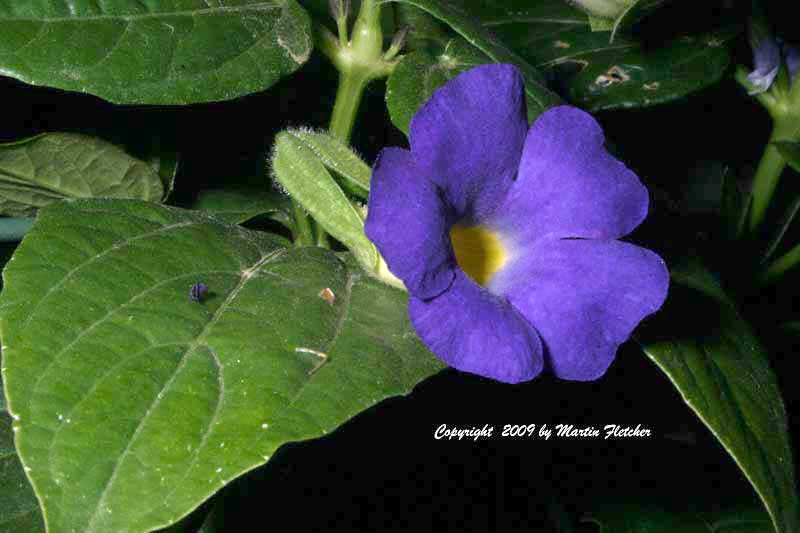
column 505, row 236
column 769, row 53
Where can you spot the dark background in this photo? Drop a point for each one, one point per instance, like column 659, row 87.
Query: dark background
column 383, row 469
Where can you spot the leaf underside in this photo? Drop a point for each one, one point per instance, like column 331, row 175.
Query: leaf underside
column 38, row 171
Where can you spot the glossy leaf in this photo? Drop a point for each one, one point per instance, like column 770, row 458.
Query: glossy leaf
column 19, row 509
column 723, row 374
column 304, row 176
column 607, row 75
column 134, row 52
column 647, row 518
column 41, row 170
column 133, row 403
column 790, row 151
column 556, row 39
column 460, row 17
column 237, row 206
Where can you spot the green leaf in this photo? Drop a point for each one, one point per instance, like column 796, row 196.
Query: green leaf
column 133, row 52
column 556, row 39
column 790, row 151
column 44, row 169
column 19, row 509
column 459, row 16
column 237, row 206
column 304, row 176
column 723, row 374
column 133, row 403
column 340, row 158
column 647, row 518
column 601, row 75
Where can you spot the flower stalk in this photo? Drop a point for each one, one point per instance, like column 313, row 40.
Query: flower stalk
column 768, row 173
column 772, row 83
column 359, row 58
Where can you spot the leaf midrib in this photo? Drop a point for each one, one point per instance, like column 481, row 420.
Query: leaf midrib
column 142, row 16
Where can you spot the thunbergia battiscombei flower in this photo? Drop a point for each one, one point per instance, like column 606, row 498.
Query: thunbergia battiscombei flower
column 769, row 54
column 505, row 236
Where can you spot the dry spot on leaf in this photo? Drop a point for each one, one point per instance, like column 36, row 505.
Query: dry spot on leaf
column 615, row 74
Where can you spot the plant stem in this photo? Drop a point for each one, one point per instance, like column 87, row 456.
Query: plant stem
column 766, row 179
column 358, row 62
column 786, row 126
column 303, row 236
column 781, row 265
column 348, row 98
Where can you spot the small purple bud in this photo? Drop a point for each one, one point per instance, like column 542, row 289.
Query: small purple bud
column 766, row 58
column 791, row 54
column 198, row 292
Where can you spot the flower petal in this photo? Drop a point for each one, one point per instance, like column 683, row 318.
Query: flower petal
column 408, row 222
column 584, row 297
column 468, row 137
column 569, row 185
column 472, row 330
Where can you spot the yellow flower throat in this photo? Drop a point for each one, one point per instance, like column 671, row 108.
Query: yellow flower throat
column 479, row 252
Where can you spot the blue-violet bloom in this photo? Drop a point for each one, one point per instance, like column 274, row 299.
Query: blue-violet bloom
column 505, row 236
column 769, row 54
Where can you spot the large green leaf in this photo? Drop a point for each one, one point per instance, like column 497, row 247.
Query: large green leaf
column 556, row 39
column 19, row 510
column 133, row 403
column 647, row 518
column 134, row 52
column 458, row 16
column 723, row 374
column 44, row 169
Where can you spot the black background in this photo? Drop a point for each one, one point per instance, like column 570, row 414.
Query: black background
column 383, row 469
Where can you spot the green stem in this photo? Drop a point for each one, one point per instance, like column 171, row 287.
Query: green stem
column 786, row 126
column 765, row 181
column 14, row 229
column 348, row 98
column 358, row 62
column 303, row 236
column 781, row 265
